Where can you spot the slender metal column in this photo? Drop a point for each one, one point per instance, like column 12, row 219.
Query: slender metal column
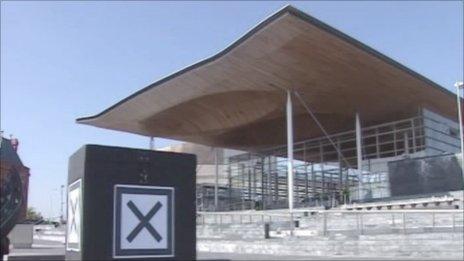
column 459, row 85
column 323, row 185
column 377, row 147
column 263, row 192
column 306, row 182
column 216, row 180
column 62, row 204
column 359, row 153
column 242, row 192
column 290, row 157
column 269, row 188
column 276, row 179
column 340, row 171
column 249, row 186
column 255, row 189
column 229, row 178
column 313, row 180
column 152, row 143
column 406, row 143
column 395, row 149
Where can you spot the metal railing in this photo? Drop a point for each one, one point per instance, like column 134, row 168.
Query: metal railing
column 326, row 221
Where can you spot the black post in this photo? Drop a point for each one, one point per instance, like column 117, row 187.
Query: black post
column 267, row 228
column 131, row 204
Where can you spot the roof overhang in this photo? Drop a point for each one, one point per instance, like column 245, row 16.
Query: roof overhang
column 236, row 99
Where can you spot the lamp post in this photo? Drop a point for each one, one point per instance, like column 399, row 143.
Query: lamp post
column 459, row 86
column 51, row 198
column 62, row 205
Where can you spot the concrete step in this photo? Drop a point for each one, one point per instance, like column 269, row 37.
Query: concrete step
column 437, row 245
column 257, row 231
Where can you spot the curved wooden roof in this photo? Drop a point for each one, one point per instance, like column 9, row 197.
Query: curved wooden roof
column 236, row 99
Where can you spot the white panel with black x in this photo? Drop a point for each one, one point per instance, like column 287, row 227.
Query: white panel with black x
column 73, row 234
column 143, row 221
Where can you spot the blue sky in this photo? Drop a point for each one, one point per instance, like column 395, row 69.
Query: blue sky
column 64, row 60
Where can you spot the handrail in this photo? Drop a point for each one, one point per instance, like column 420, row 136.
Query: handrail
column 404, row 211
column 302, row 211
column 269, row 218
column 251, row 213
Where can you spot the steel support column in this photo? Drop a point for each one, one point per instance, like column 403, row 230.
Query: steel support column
column 459, row 86
column 290, row 157
column 359, row 153
column 216, row 180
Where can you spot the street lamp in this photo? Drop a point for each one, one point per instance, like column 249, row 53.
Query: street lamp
column 62, row 205
column 459, row 86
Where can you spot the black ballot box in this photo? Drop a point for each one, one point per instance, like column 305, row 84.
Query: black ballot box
column 130, row 204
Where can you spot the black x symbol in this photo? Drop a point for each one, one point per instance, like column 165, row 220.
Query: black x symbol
column 144, row 221
column 73, row 211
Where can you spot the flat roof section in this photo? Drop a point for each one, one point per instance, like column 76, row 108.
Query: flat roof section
column 236, row 99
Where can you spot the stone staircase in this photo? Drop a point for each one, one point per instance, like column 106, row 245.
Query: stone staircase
column 432, row 245
column 382, row 235
column 231, row 231
column 372, row 223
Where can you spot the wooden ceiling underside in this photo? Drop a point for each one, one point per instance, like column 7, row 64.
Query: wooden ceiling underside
column 236, row 99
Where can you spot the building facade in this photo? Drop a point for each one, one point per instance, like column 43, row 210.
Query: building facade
column 10, row 163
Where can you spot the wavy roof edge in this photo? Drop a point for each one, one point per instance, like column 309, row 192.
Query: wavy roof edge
column 286, row 10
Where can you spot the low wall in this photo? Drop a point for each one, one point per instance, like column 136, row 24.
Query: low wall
column 21, row 236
